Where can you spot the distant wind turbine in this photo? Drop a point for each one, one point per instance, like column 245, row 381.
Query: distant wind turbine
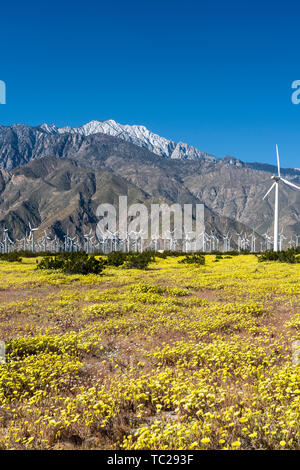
column 275, row 185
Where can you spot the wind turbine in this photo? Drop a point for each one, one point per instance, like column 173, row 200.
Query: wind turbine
column 275, row 185
column 138, row 236
column 225, row 238
column 155, row 239
column 239, row 240
column 202, row 238
column 89, row 237
column 268, row 240
column 66, row 242
column 281, row 238
column 31, row 235
column 188, row 241
column 45, row 240
column 173, row 240
column 5, row 238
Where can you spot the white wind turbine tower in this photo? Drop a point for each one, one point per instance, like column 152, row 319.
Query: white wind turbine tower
column 31, row 236
column 225, row 238
column 89, row 237
column 228, row 242
column 275, row 185
column 126, row 243
column 268, row 240
column 5, row 239
column 45, row 240
column 203, row 242
column 239, row 241
column 187, row 240
column 155, row 239
column 291, row 242
column 138, row 236
column 253, row 238
column 173, row 242
column 281, row 238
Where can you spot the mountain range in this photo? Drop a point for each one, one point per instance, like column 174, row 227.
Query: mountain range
column 55, row 178
column 138, row 135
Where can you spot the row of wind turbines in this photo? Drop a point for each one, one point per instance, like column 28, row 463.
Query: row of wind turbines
column 134, row 242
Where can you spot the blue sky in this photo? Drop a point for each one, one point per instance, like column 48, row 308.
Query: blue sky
column 216, row 75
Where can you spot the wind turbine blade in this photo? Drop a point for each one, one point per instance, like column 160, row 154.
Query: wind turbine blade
column 290, row 184
column 269, row 190
column 278, row 164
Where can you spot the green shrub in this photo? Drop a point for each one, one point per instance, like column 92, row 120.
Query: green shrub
column 161, row 254
column 195, row 258
column 73, row 263
column 144, row 288
column 166, row 253
column 287, row 256
column 12, row 256
column 139, row 260
column 34, row 254
column 50, row 262
column 116, row 258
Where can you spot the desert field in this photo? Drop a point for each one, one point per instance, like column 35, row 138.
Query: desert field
column 172, row 357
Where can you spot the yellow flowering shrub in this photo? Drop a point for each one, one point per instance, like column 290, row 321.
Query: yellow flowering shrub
column 173, row 357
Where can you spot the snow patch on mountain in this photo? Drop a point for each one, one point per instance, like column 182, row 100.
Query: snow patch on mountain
column 185, row 151
column 138, row 135
column 49, row 128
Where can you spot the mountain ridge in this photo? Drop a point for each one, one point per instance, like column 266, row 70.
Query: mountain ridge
column 136, row 134
column 141, row 136
column 228, row 187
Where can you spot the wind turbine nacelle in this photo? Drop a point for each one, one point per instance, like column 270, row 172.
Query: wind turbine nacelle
column 275, row 178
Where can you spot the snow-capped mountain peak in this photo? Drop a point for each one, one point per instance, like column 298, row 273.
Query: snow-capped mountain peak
column 136, row 134
column 49, row 128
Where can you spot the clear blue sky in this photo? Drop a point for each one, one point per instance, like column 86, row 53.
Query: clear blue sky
column 214, row 74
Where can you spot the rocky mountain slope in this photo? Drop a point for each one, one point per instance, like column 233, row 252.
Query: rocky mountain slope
column 58, row 195
column 138, row 135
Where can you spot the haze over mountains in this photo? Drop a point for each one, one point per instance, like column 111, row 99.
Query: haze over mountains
column 85, row 166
